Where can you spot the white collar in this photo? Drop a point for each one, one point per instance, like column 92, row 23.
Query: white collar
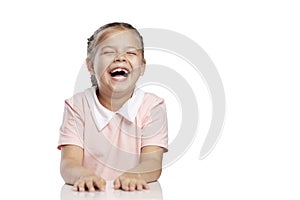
column 102, row 115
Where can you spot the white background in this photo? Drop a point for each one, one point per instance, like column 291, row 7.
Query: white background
column 255, row 46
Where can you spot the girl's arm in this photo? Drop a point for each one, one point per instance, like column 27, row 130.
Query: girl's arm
column 75, row 174
column 148, row 170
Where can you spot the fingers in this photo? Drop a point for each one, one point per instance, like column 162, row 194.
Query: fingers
column 90, row 183
column 79, row 186
column 130, row 184
column 117, row 184
column 142, row 185
column 100, row 184
column 145, row 185
column 125, row 184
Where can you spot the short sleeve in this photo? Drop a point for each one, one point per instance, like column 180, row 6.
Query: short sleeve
column 155, row 131
column 71, row 130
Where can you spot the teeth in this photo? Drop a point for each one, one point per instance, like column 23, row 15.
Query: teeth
column 119, row 70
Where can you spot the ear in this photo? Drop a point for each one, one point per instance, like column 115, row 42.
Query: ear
column 143, row 67
column 90, row 65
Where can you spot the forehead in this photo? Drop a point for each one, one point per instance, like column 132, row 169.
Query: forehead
column 117, row 37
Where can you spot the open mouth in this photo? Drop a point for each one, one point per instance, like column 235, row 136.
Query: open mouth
column 119, row 72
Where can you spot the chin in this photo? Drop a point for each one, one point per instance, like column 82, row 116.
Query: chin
column 122, row 88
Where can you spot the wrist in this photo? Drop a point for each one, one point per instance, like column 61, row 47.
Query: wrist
column 136, row 175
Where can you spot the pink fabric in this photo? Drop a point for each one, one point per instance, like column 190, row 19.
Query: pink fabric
column 117, row 146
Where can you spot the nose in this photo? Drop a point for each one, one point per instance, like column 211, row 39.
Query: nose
column 120, row 57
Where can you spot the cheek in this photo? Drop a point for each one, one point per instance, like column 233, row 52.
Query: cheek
column 101, row 64
column 135, row 62
column 138, row 70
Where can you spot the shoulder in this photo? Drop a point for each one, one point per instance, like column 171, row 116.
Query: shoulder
column 152, row 98
column 78, row 100
column 153, row 109
column 150, row 102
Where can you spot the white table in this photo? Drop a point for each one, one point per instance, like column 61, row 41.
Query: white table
column 154, row 193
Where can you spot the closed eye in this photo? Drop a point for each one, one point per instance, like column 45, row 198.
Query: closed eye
column 131, row 52
column 108, row 52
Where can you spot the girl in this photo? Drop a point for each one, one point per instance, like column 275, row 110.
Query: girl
column 113, row 131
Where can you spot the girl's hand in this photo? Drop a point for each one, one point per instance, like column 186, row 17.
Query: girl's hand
column 130, row 182
column 89, row 183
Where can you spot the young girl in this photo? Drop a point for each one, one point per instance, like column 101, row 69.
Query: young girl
column 113, row 131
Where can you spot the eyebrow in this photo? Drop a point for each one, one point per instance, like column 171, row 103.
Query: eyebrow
column 107, row 47
column 132, row 47
column 127, row 47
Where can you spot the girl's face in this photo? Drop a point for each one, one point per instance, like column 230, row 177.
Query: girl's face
column 118, row 62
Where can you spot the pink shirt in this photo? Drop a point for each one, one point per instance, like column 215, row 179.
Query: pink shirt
column 112, row 141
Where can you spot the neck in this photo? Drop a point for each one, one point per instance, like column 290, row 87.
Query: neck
column 114, row 101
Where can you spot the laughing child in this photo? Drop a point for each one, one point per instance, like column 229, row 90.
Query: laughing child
column 113, row 131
